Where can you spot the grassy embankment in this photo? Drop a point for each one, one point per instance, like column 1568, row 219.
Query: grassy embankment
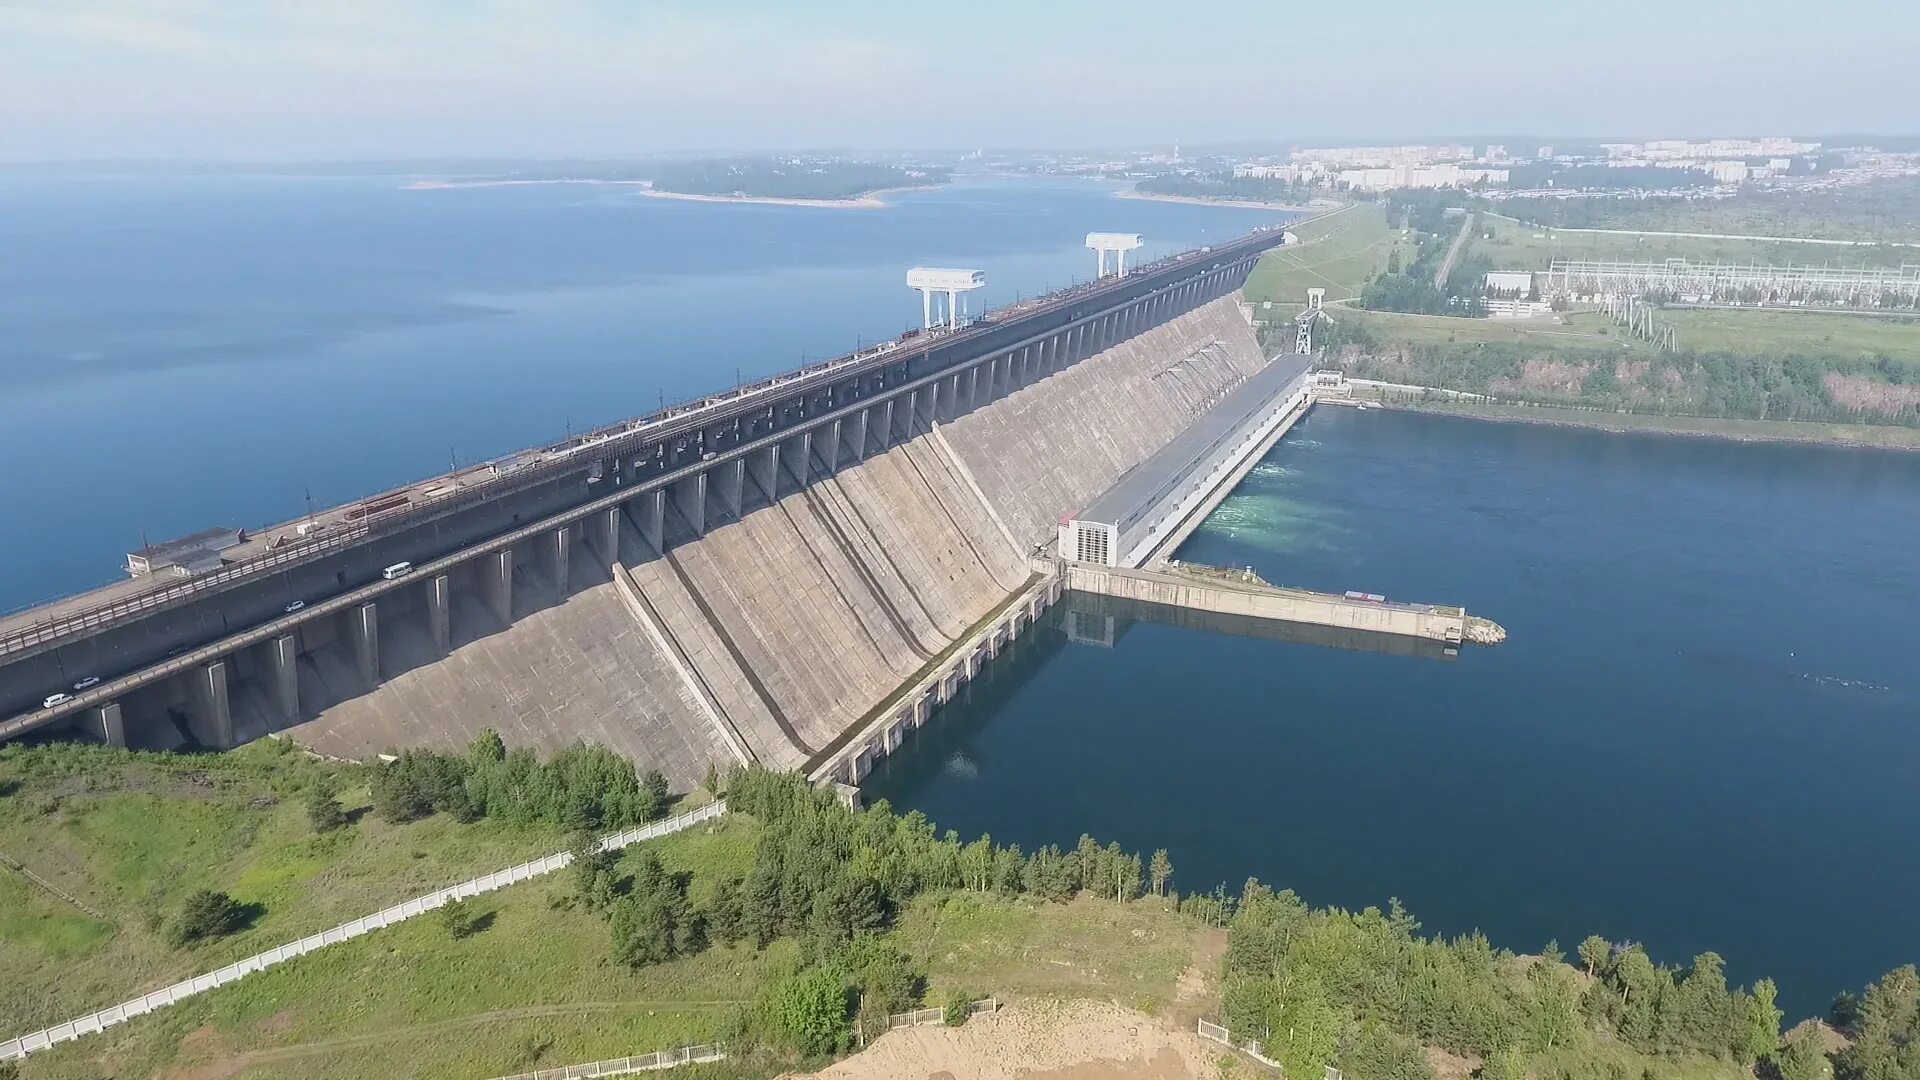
column 130, row 835
column 1742, row 365
column 1338, row 252
column 536, row 986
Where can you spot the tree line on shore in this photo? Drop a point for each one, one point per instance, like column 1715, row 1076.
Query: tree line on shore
column 1680, row 383
column 1365, row 992
column 834, row 880
column 1362, row 991
column 579, row 787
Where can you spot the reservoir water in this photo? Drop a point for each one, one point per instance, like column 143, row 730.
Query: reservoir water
column 183, row 351
column 1703, row 732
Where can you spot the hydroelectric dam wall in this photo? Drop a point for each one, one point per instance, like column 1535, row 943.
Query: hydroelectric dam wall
column 747, row 583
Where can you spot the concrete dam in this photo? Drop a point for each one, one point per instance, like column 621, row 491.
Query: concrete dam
column 782, row 574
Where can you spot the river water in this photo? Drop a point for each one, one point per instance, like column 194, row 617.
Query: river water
column 1703, row 732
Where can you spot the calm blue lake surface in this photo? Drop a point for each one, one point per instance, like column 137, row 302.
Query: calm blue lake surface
column 180, row 352
column 1704, row 732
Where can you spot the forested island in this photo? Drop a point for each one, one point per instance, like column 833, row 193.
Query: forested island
column 811, row 179
column 1226, row 187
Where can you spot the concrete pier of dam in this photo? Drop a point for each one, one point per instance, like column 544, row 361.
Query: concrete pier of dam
column 1238, row 592
column 778, row 578
column 1097, row 620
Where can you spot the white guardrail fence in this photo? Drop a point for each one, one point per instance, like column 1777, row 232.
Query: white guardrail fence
column 13, row 1049
column 923, row 1017
column 1218, row 1033
column 659, row 1059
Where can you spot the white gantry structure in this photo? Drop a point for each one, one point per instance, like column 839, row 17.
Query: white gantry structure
column 1118, row 244
column 1315, row 310
column 953, row 284
column 1733, row 283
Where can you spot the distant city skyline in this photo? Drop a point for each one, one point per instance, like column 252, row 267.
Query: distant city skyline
column 357, row 79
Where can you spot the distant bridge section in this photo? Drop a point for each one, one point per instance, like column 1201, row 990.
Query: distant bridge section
column 169, row 645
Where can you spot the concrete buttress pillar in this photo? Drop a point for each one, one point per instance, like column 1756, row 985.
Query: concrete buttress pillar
column 732, row 484
column 363, row 629
column 496, row 583
column 799, row 458
column 440, row 611
column 856, row 433
column 766, row 472
column 213, row 715
column 830, row 449
column 690, row 498
column 886, row 436
column 108, row 724
column 603, row 535
column 653, row 518
column 283, row 655
column 563, row 558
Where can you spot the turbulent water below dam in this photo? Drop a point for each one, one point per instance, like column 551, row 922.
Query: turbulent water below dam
column 1702, row 733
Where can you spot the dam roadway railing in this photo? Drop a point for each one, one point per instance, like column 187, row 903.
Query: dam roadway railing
column 610, row 441
column 20, row 1047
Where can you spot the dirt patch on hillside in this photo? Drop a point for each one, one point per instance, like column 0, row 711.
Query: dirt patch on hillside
column 1037, row 1040
column 1542, row 376
column 1868, row 395
column 1448, row 1066
column 1194, row 994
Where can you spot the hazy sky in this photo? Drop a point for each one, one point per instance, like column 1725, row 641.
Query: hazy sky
column 281, row 79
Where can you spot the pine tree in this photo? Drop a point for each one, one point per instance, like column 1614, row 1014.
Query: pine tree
column 1761, row 1037
column 1595, row 952
column 324, row 812
column 1162, row 871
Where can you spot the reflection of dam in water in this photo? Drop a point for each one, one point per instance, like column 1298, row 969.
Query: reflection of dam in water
column 945, row 746
column 1092, row 619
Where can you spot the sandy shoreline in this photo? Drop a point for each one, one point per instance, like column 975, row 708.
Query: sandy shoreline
column 1245, row 204
column 868, row 200
column 450, row 185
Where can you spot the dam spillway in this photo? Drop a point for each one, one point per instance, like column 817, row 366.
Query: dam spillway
column 744, row 588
